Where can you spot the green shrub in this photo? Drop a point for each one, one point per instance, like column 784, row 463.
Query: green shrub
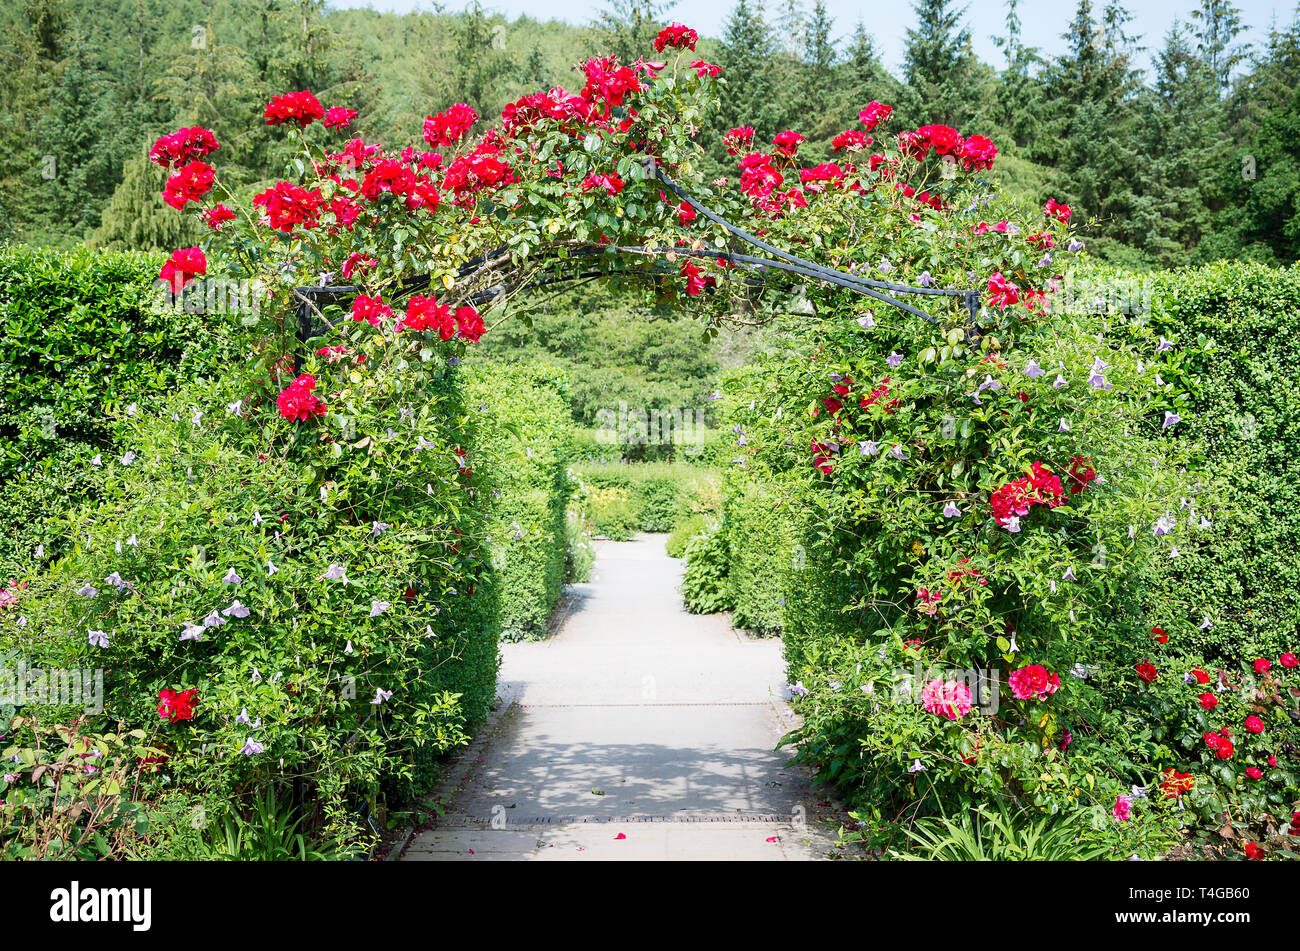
column 80, row 333
column 650, row 496
column 579, row 552
column 761, row 543
column 611, row 513
column 233, row 527
column 704, row 583
column 1236, row 333
column 682, row 533
column 524, row 434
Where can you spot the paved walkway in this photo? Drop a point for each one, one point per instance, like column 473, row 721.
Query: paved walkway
column 637, row 732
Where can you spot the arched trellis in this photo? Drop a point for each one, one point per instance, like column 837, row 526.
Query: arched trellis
column 310, row 299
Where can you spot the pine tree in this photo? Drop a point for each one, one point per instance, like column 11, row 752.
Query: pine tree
column 939, row 63
column 1217, row 25
column 627, row 28
column 746, row 56
column 136, row 217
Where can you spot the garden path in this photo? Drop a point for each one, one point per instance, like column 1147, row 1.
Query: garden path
column 638, row 731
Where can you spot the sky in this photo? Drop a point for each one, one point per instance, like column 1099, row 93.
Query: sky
column 1043, row 21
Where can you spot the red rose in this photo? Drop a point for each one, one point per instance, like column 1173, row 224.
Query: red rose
column 182, row 267
column 1159, row 634
column 677, row 36
column 1254, row 724
column 370, row 309
column 1208, row 700
column 787, row 143
column 1262, row 666
column 1174, row 783
column 177, row 148
column 449, row 127
column 288, row 205
column 216, row 216
column 1288, row 660
column 1201, row 676
column 301, row 107
column 1254, row 772
column 337, row 117
column 297, row 403
column 175, row 706
column 874, row 115
column 1054, row 209
column 189, row 184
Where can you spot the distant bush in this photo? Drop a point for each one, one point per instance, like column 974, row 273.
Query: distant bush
column 704, row 584
column 623, row 498
column 682, row 533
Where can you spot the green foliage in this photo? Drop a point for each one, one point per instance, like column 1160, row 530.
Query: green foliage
column 271, row 833
column 1236, row 331
column 704, row 584
column 56, row 809
column 682, row 533
column 624, row 498
column 1000, row 835
column 246, row 514
column 579, row 552
column 82, row 334
column 763, row 554
column 523, row 435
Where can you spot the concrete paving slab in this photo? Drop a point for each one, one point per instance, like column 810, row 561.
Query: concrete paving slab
column 636, row 717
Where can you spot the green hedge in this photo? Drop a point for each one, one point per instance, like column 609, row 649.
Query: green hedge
column 763, row 551
column 79, row 333
column 620, row 499
column 1236, row 327
column 524, row 435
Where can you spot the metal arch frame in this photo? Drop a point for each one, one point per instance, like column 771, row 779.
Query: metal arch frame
column 309, row 297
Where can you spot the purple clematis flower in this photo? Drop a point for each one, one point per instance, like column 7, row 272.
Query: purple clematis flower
column 378, row 607
column 894, row 360
column 867, row 320
column 1171, row 419
column 236, row 610
column 252, row 747
column 897, row 452
column 1033, row 370
column 951, row 511
column 380, row 696
column 192, row 632
column 97, row 639
column 798, row 689
column 1075, row 246
column 925, row 280
column 335, row 572
column 88, row 591
column 1064, row 427
column 869, row 448
column 1069, row 575
column 1164, row 525
column 232, row 577
column 1059, row 382
column 1163, row 345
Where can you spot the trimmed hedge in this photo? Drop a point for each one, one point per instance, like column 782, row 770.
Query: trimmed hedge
column 763, row 550
column 620, row 499
column 1236, row 329
column 524, row 433
column 79, row 334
